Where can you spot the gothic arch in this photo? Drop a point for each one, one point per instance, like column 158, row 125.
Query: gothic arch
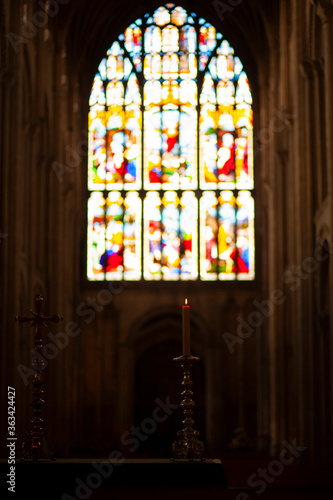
column 85, row 31
column 153, row 332
column 169, row 318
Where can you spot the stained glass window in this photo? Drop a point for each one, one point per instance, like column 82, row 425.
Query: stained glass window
column 170, row 161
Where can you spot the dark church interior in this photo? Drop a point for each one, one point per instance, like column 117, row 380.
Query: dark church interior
column 112, row 386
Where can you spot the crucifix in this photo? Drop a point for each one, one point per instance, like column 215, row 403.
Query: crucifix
column 36, row 446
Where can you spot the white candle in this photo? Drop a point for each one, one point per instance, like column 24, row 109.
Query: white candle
column 186, row 329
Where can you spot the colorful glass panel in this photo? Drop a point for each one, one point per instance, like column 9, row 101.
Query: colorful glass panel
column 170, row 236
column 208, row 146
column 153, row 146
column 112, row 259
column 245, row 248
column 162, row 16
column 226, row 235
column 188, row 157
column 188, row 253
column 132, row 236
column 170, row 156
column 96, row 236
column 96, row 148
column 209, row 236
column 244, row 139
column 153, row 236
column 178, row 16
column 226, row 155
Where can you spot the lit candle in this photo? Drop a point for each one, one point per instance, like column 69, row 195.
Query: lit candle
column 186, row 329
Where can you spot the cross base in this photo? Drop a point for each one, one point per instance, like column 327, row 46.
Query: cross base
column 37, row 448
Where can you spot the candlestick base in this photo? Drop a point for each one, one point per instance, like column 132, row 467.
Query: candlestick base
column 188, row 446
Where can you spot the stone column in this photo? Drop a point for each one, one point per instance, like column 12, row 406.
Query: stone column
column 325, row 12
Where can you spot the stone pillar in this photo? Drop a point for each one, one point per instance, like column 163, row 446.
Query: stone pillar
column 325, row 12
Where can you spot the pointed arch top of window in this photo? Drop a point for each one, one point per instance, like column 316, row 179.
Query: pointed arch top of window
column 170, row 160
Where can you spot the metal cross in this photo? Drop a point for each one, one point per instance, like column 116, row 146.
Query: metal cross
column 36, row 446
column 38, row 318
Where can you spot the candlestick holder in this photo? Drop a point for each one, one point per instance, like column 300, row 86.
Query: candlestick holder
column 188, row 446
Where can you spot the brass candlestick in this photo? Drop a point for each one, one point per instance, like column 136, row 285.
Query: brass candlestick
column 188, row 445
column 36, row 446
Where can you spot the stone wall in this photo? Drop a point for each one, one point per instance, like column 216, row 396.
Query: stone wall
column 276, row 380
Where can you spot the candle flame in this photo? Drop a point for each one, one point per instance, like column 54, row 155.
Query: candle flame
column 185, row 301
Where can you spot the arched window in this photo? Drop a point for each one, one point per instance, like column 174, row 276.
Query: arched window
column 170, row 161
